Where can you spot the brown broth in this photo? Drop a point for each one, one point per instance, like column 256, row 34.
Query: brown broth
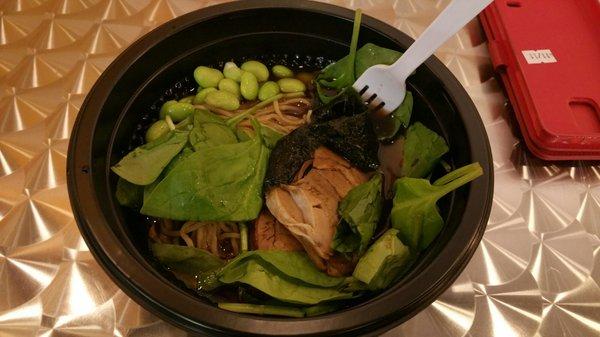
column 390, row 163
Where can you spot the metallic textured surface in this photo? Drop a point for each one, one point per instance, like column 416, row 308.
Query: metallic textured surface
column 536, row 272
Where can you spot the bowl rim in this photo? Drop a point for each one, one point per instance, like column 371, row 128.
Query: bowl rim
column 147, row 287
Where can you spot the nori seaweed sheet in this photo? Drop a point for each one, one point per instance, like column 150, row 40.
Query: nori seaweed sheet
column 343, row 126
column 351, row 137
column 288, row 155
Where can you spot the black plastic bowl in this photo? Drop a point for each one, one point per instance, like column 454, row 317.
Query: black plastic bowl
column 149, row 70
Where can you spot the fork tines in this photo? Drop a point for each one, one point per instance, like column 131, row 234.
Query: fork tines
column 370, row 99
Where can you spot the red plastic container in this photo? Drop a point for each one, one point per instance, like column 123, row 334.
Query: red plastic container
column 548, row 55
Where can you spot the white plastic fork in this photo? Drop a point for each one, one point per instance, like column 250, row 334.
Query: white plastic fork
column 384, row 87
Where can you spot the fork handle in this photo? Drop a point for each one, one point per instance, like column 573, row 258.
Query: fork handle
column 455, row 16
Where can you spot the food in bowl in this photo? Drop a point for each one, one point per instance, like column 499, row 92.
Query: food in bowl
column 275, row 192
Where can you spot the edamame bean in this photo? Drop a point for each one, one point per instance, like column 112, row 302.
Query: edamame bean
column 291, row 85
column 156, row 130
column 201, row 95
column 268, row 90
column 207, row 77
column 223, row 99
column 165, row 107
column 282, row 71
column 179, row 111
column 188, row 99
column 249, row 86
column 232, row 71
column 258, row 69
column 230, row 85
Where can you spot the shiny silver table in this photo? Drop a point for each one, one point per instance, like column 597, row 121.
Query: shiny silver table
column 536, row 272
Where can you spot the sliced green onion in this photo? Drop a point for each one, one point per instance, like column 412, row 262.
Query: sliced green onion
column 243, row 236
column 170, row 122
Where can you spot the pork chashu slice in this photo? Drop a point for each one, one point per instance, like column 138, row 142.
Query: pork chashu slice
column 308, row 206
column 340, row 174
column 270, row 234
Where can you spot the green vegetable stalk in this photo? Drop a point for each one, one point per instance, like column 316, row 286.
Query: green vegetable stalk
column 415, row 213
column 340, row 75
column 261, row 309
column 279, row 310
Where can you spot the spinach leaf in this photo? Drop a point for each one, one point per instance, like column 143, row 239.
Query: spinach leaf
column 222, row 183
column 286, row 276
column 294, row 265
column 353, row 285
column 210, row 130
column 186, row 263
column 383, row 262
column 128, row 194
column 149, row 188
column 270, row 136
column 402, row 113
column 414, row 212
column 361, row 209
column 340, row 74
column 346, row 238
column 345, row 71
column 277, row 285
column 243, row 134
column 268, row 270
column 367, row 56
column 187, row 150
column 371, row 54
column 423, row 149
column 145, row 163
column 202, row 116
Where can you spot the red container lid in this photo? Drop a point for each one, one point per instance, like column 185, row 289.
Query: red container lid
column 548, row 55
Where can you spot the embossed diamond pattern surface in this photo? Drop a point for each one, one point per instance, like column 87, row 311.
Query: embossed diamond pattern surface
column 536, row 272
